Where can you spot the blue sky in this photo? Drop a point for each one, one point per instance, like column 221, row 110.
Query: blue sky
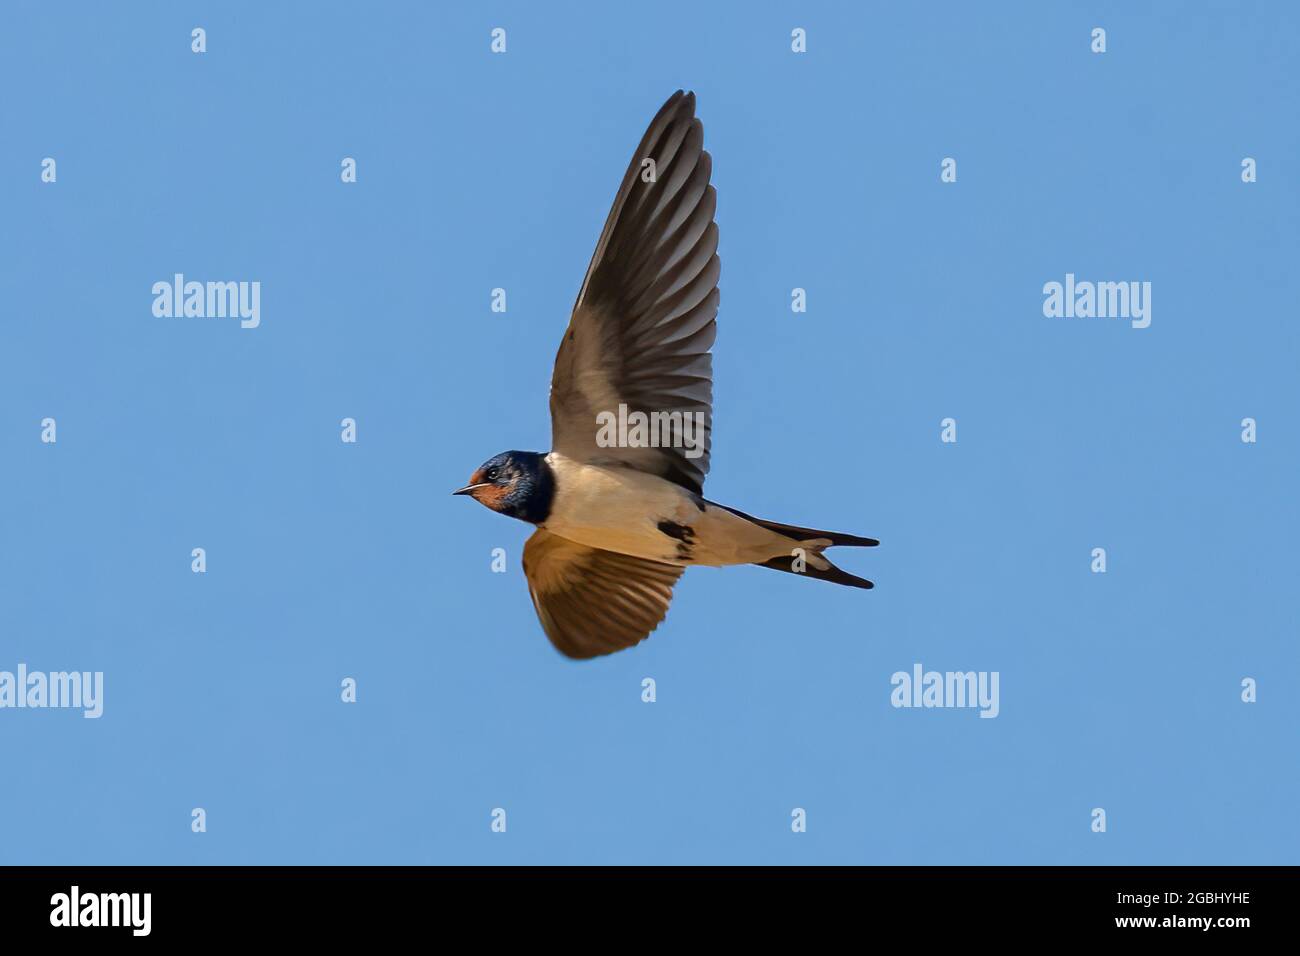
column 328, row 560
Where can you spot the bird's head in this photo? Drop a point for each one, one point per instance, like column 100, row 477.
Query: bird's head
column 515, row 483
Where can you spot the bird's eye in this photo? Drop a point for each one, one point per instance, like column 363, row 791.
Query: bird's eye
column 492, row 474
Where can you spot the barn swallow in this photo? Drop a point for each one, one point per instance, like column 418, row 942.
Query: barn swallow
column 618, row 502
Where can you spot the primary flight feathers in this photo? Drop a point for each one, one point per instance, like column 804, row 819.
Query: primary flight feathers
column 644, row 321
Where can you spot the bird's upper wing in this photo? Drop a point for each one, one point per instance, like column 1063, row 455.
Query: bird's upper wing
column 644, row 321
column 594, row 602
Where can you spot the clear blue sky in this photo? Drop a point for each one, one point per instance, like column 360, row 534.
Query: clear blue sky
column 327, row 560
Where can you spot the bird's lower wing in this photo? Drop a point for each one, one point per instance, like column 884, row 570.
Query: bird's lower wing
column 594, row 602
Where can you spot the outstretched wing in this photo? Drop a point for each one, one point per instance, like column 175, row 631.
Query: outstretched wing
column 643, row 324
column 594, row 602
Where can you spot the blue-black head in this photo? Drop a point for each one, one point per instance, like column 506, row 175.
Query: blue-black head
column 516, row 483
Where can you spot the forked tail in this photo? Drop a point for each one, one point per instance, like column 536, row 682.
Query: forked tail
column 811, row 542
column 793, row 564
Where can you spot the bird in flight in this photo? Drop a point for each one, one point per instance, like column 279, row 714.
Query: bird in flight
column 618, row 503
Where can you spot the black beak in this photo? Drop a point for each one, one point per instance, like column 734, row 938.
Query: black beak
column 468, row 488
